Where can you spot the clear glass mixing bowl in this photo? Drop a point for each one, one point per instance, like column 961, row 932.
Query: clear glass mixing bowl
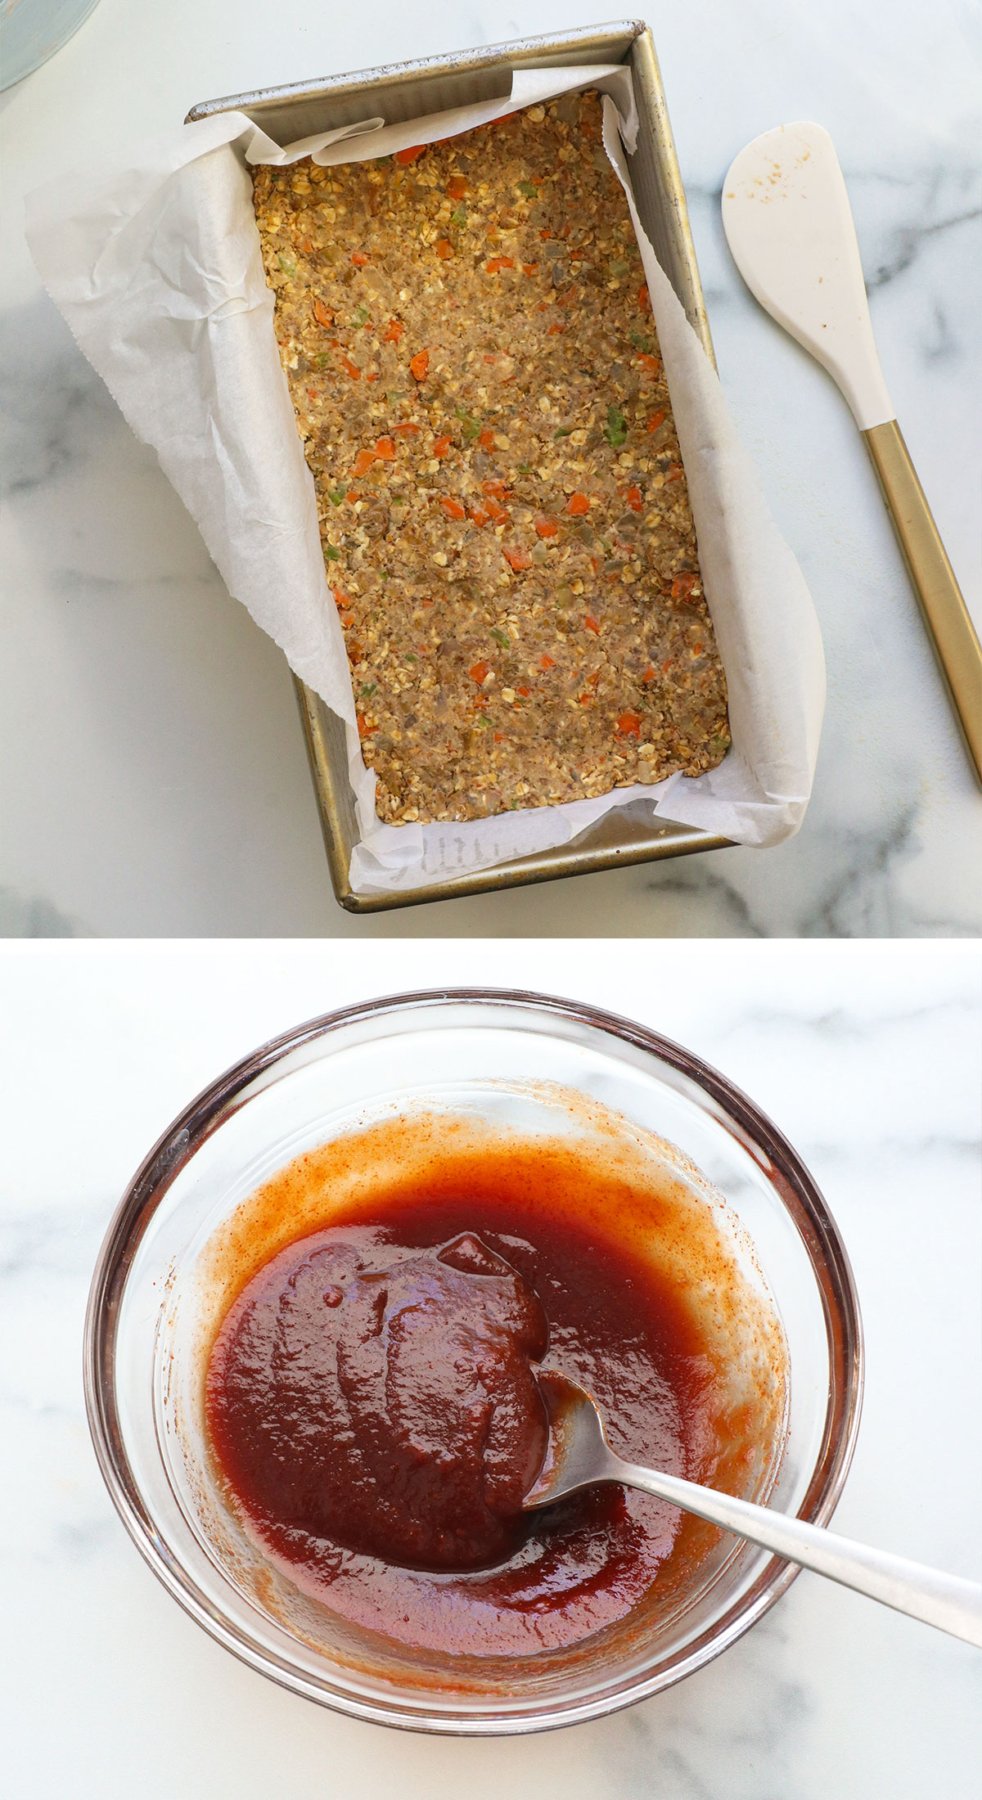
column 487, row 1053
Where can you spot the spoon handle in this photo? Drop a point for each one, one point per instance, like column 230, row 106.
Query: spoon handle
column 947, row 1601
column 945, row 613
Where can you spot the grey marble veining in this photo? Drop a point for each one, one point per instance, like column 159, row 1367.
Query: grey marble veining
column 872, row 1065
column 154, row 778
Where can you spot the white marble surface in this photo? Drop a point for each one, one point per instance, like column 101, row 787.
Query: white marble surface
column 154, row 778
column 870, row 1058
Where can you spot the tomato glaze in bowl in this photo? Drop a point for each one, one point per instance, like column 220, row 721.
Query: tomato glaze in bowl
column 387, row 1181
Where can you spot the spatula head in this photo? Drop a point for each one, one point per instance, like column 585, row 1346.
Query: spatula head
column 789, row 226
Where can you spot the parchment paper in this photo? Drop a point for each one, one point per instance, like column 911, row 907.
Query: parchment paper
column 159, row 274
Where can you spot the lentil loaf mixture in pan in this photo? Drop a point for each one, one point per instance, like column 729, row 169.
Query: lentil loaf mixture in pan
column 473, row 363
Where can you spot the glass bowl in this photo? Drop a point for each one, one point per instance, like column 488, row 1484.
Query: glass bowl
column 496, row 1055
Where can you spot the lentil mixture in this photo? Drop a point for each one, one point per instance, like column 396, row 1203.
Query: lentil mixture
column 473, row 362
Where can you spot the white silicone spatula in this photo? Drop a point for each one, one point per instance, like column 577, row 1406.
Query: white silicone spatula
column 789, row 226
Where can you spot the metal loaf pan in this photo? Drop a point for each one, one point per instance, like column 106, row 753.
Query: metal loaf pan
column 400, row 91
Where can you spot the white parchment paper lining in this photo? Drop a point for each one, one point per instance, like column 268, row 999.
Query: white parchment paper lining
column 159, row 274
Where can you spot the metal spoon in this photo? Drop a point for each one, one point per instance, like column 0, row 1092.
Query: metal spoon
column 579, row 1456
column 789, row 226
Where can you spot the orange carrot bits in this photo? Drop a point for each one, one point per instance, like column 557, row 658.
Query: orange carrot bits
column 524, row 690
column 406, row 430
column 441, row 446
column 683, row 585
column 419, row 365
column 478, row 516
column 456, row 187
column 479, row 672
column 385, row 449
column 360, row 258
column 452, row 508
column 657, row 418
column 495, row 264
column 517, row 558
column 363, row 462
column 592, row 624
column 644, row 298
column 323, row 314
column 350, row 368
column 546, row 662
column 444, row 249
column 578, row 505
column 629, row 725
column 651, row 363
column 409, row 155
column 633, row 498
column 530, row 268
column 393, row 331
column 546, row 528
column 486, row 438
column 649, row 675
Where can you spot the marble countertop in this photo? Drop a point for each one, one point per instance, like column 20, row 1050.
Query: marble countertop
column 870, row 1058
column 154, row 775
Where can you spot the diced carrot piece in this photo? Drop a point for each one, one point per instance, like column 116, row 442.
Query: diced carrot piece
column 651, row 363
column 498, row 513
column 555, row 330
column 657, row 418
column 409, row 155
column 478, row 516
column 495, row 264
column 633, row 498
column 546, row 528
column 530, row 268
column 518, row 558
column 524, row 691
column 441, row 446
column 479, row 672
column 674, row 473
column 350, row 368
column 629, row 725
column 385, row 449
column 359, row 258
column 683, row 585
column 592, row 624
column 452, row 508
column 341, row 599
column 393, row 331
column 497, row 490
column 311, row 393
column 323, row 314
column 444, row 249
column 486, row 438
column 644, row 298
column 364, row 729
column 406, row 430
column 307, row 246
column 457, row 187
column 578, row 505
column 649, row 675
column 546, row 662
column 363, row 462
column 371, row 375
column 419, row 365
column 544, row 236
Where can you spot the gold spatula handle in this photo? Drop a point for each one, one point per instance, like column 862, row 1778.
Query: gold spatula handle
column 945, row 613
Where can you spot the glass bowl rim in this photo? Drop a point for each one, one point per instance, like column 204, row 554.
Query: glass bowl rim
column 757, row 1134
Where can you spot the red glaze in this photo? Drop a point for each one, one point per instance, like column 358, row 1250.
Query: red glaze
column 370, row 1398
column 383, row 1400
